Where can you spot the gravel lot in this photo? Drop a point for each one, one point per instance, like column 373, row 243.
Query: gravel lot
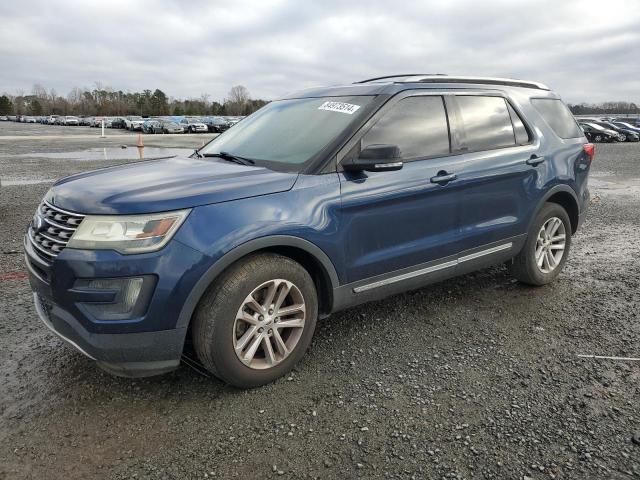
column 476, row 377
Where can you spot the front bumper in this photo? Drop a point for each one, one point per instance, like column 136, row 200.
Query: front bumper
column 147, row 345
column 127, row 355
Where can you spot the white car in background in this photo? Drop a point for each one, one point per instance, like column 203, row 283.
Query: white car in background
column 133, row 122
column 71, row 120
column 194, row 125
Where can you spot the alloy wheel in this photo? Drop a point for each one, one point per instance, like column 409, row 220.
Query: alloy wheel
column 269, row 324
column 550, row 245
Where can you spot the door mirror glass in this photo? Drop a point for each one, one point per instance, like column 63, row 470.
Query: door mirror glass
column 376, row 158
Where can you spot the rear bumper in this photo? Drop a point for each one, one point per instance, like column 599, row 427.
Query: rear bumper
column 586, row 201
column 128, row 355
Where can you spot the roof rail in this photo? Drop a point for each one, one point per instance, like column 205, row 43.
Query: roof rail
column 401, row 75
column 439, row 78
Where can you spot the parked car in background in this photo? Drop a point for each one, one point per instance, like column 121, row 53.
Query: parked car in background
column 4, row 118
column 194, row 125
column 233, row 120
column 30, row 120
column 216, row 124
column 169, row 126
column 596, row 133
column 71, row 120
column 319, row 201
column 118, row 122
column 627, row 125
column 85, row 121
column 133, row 122
column 624, row 134
column 96, row 122
column 152, row 126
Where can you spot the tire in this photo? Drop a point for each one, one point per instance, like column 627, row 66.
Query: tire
column 525, row 266
column 219, row 328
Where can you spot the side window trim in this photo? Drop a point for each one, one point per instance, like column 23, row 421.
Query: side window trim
column 529, row 130
column 459, row 125
column 359, row 135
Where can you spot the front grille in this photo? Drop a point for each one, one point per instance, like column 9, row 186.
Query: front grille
column 54, row 234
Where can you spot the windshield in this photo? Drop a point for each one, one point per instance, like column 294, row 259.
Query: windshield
column 596, row 126
column 289, row 131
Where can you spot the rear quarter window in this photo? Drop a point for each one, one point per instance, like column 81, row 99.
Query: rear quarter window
column 558, row 117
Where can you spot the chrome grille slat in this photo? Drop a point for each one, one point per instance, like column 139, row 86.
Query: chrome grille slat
column 57, row 225
column 54, row 236
column 63, row 242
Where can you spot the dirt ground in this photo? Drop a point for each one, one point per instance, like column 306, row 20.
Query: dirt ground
column 477, row 377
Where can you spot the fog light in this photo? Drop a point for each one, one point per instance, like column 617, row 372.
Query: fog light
column 130, row 300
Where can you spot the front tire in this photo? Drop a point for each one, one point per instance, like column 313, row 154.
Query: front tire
column 547, row 247
column 256, row 321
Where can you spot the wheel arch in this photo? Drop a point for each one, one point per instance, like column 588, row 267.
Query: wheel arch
column 310, row 256
column 566, row 197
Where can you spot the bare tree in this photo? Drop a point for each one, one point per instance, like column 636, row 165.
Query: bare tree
column 237, row 100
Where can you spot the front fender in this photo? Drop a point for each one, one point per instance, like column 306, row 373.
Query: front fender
column 243, row 250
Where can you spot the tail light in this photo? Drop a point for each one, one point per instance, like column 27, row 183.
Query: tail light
column 590, row 151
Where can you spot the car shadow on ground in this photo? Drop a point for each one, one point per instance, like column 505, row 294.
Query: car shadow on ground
column 339, row 332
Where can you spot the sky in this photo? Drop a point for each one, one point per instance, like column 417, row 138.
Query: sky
column 585, row 50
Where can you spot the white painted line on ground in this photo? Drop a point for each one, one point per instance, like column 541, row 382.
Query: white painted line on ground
column 108, row 137
column 604, row 357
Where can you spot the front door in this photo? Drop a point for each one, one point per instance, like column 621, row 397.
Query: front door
column 401, row 219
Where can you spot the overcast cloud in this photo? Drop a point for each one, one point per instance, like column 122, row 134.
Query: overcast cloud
column 585, row 50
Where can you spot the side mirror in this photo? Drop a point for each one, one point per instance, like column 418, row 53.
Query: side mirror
column 376, row 158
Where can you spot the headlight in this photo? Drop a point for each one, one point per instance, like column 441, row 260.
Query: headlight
column 127, row 233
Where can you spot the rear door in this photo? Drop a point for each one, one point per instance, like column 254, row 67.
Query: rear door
column 401, row 219
column 497, row 181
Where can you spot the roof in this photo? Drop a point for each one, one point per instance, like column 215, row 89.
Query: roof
column 442, row 78
column 393, row 84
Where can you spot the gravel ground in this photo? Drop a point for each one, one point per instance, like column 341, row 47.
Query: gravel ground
column 476, row 377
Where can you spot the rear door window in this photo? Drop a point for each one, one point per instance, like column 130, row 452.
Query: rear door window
column 557, row 116
column 418, row 125
column 486, row 123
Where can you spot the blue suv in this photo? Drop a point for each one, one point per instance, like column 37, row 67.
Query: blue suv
column 322, row 200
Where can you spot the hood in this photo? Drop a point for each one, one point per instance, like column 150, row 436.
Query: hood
column 163, row 185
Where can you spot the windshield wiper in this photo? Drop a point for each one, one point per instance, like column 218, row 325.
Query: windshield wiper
column 230, row 158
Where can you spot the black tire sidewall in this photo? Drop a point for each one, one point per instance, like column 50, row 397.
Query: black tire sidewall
column 219, row 313
column 548, row 211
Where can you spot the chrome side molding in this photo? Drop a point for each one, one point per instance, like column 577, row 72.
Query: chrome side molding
column 433, row 268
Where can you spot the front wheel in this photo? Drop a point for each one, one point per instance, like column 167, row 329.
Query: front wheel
column 255, row 323
column 546, row 249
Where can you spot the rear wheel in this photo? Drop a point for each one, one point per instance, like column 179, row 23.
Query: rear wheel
column 255, row 323
column 547, row 247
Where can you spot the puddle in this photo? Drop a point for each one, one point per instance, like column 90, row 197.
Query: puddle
column 111, row 153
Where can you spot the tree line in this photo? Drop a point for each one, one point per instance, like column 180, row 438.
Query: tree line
column 604, row 108
column 109, row 102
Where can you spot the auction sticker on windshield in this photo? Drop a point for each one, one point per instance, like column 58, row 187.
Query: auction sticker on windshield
column 347, row 108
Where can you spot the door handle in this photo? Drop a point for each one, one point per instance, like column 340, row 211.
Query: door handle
column 443, row 177
column 535, row 160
